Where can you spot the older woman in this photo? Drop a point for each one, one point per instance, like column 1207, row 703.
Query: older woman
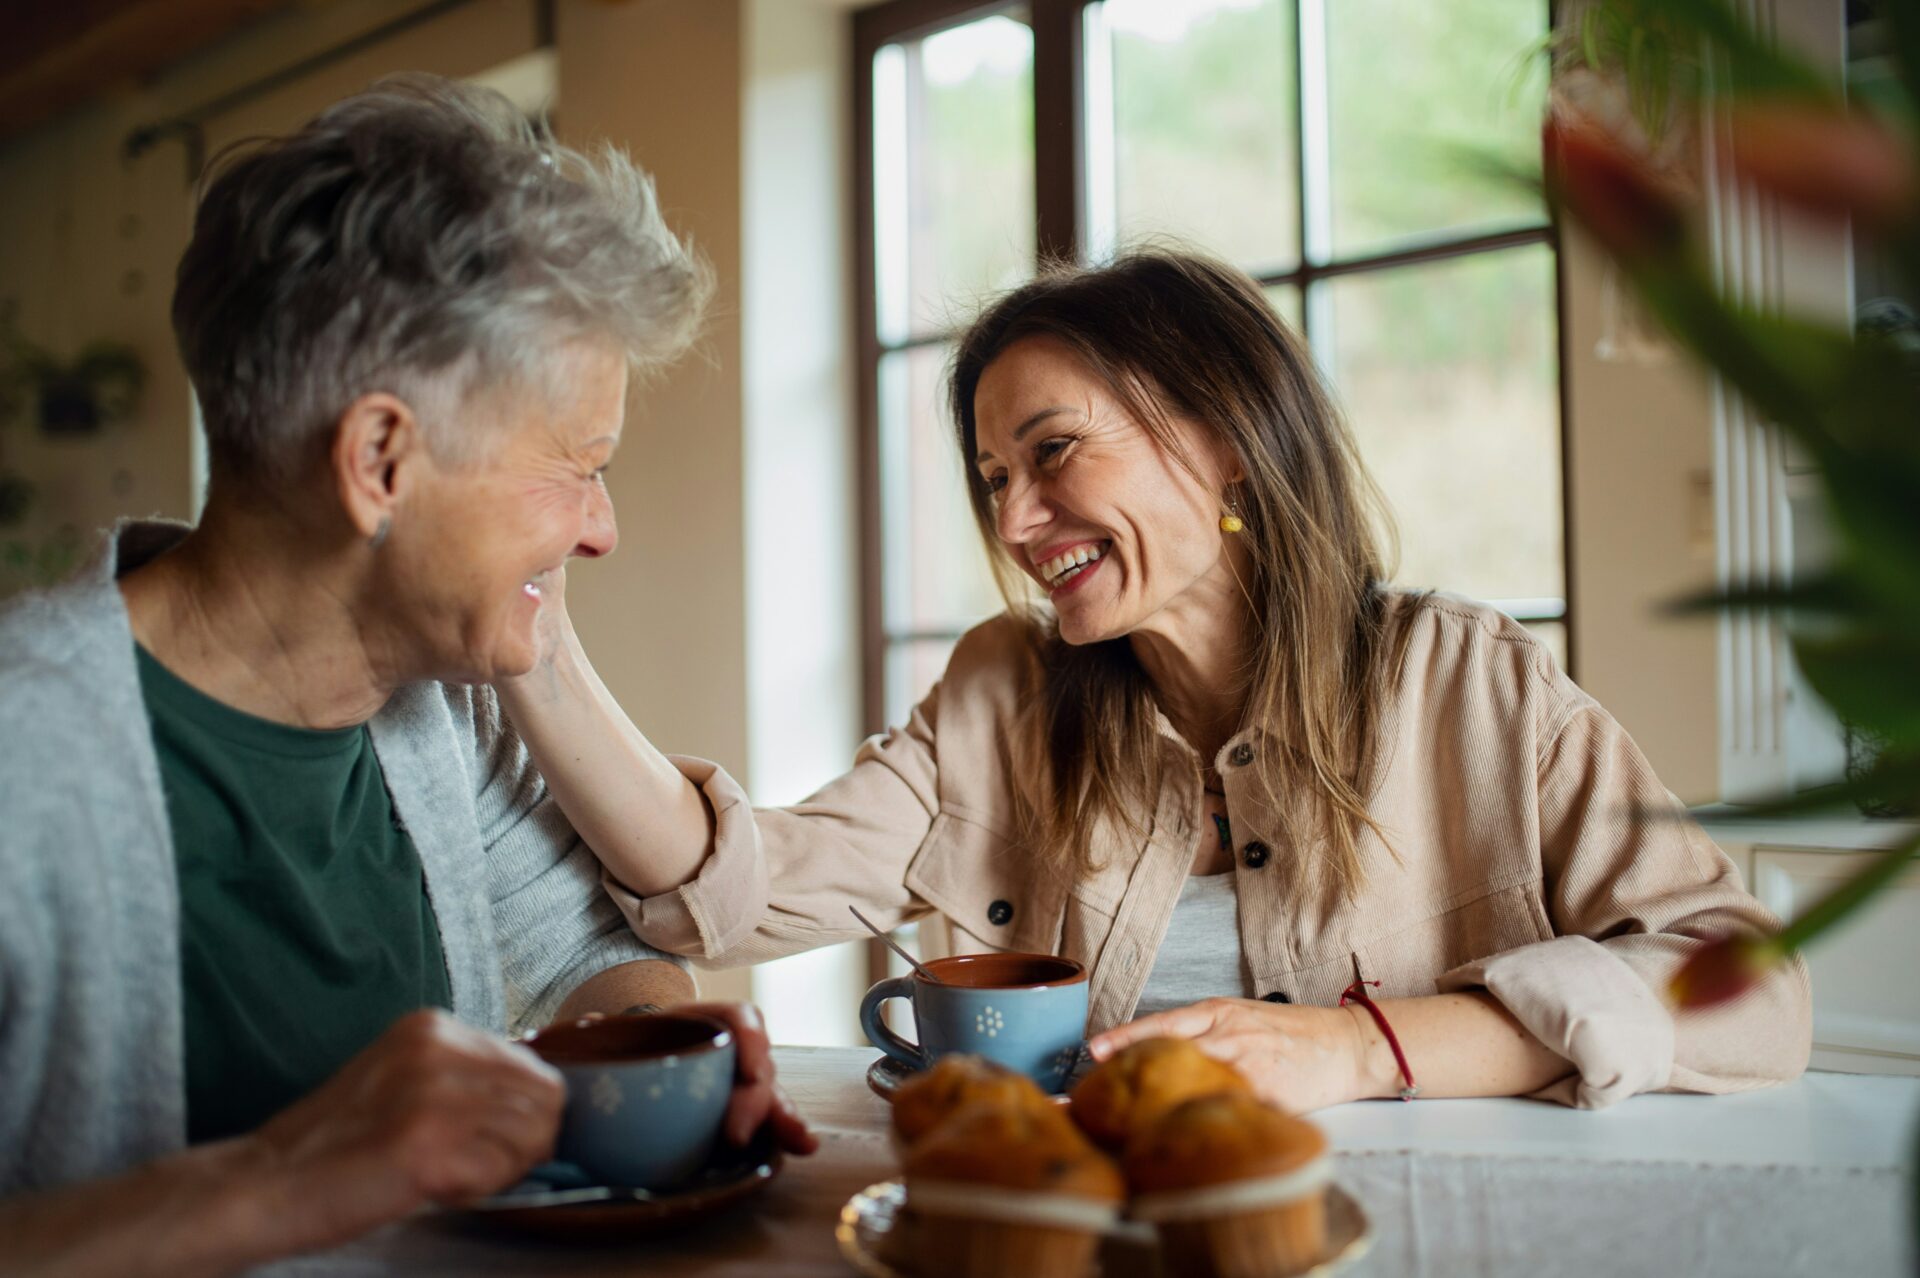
column 1221, row 764
column 260, row 807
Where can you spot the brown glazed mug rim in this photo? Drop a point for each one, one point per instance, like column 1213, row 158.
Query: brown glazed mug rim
column 552, row 1043
column 940, row 968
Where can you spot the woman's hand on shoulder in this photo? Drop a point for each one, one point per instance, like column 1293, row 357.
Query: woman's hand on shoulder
column 1299, row 1058
column 553, row 634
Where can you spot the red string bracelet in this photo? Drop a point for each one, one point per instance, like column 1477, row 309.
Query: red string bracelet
column 1357, row 993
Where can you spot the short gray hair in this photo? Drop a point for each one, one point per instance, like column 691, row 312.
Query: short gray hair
column 422, row 238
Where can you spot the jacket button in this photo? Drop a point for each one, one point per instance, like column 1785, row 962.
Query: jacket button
column 1276, row 997
column 1000, row 913
column 1255, row 855
column 1242, row 755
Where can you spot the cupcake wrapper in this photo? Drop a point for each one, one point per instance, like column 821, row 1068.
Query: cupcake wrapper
column 956, row 1247
column 1270, row 1243
column 985, row 1202
column 1212, row 1201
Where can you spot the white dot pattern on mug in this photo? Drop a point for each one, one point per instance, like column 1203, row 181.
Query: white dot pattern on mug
column 701, row 1079
column 605, row 1094
column 989, row 1022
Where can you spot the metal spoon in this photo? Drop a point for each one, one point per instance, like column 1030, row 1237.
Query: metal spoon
column 913, row 963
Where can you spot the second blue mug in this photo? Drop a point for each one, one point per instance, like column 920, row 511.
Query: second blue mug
column 1025, row 1011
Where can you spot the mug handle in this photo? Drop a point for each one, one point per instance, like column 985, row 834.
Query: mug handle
column 908, row 1054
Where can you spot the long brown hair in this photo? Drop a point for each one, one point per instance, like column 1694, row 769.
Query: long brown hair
column 1174, row 334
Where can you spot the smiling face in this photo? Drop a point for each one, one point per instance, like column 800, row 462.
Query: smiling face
column 485, row 535
column 1121, row 537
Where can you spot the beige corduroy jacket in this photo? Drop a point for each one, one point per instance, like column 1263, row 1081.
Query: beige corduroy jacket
column 1538, row 858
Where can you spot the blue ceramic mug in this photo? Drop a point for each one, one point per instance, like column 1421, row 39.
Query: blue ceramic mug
column 645, row 1094
column 1025, row 1011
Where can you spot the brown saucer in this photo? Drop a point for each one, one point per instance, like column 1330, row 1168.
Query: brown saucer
column 606, row 1211
column 885, row 1075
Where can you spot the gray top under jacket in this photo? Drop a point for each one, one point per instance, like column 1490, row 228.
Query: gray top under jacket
column 91, row 1057
column 1200, row 956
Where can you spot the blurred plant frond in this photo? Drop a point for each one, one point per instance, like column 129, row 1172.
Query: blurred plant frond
column 1672, row 52
column 1849, row 400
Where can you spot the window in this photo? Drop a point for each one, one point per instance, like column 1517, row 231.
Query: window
column 1353, row 155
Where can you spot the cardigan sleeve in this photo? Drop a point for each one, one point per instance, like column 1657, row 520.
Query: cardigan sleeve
column 554, row 928
column 1633, row 885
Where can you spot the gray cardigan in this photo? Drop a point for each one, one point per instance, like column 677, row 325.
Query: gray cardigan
column 91, row 1069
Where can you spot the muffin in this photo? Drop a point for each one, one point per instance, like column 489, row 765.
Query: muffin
column 1139, row 1083
column 922, row 1102
column 1236, row 1188
column 1001, row 1189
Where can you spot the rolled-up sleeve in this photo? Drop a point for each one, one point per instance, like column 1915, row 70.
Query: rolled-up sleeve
column 779, row 880
column 718, row 909
column 1632, row 887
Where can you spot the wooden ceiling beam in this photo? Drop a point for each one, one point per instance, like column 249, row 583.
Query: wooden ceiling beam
column 59, row 56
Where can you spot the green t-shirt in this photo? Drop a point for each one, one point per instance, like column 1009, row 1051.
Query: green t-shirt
column 305, row 928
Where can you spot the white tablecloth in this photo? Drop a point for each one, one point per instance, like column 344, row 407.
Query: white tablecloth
column 1808, row 1179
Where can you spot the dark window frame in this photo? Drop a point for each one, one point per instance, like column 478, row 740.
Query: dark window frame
column 1059, row 205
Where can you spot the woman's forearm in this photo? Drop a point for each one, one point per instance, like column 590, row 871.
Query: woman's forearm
column 205, row 1211
column 1304, row 1057
column 648, row 824
column 1456, row 1044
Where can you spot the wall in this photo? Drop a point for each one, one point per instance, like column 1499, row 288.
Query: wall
column 666, row 617
column 1639, row 472
column 89, row 252
column 803, row 650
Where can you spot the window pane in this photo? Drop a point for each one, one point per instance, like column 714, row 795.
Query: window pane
column 1203, row 126
column 953, row 173
column 935, row 571
column 912, row 668
column 1285, row 300
column 1413, row 88
column 1449, row 376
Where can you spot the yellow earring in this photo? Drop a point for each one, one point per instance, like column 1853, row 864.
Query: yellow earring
column 1231, row 522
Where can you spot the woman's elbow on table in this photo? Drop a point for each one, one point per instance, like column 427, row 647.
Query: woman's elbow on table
column 1761, row 1039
